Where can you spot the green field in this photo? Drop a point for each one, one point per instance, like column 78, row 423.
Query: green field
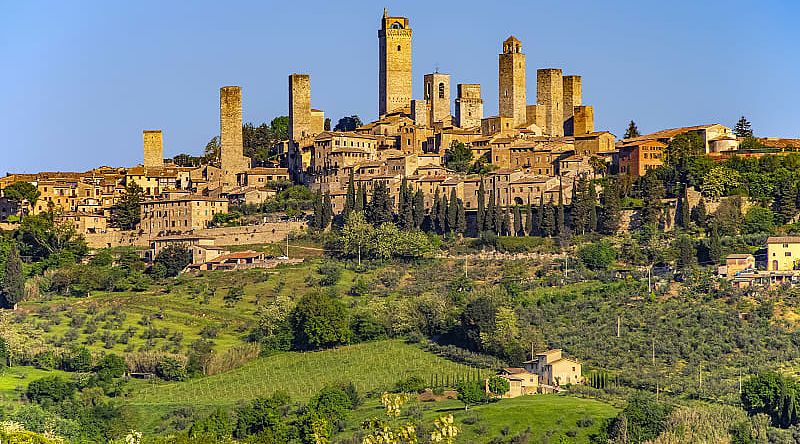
column 371, row 366
column 546, row 415
column 14, row 381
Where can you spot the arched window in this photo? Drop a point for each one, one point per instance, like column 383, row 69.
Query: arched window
column 396, row 25
column 441, row 90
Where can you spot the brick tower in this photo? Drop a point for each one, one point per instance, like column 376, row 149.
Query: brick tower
column 394, row 71
column 153, row 149
column 550, row 95
column 512, row 81
column 232, row 159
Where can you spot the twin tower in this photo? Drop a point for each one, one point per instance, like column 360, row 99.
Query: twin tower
column 557, row 112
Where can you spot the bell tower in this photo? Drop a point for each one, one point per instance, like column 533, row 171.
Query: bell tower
column 394, row 70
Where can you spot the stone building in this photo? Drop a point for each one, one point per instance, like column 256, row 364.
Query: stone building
column 550, row 95
column 437, row 97
column 512, row 82
column 304, row 121
column 469, row 105
column 232, row 158
column 179, row 215
column 582, row 121
column 153, row 148
column 572, row 98
column 637, row 157
column 394, row 73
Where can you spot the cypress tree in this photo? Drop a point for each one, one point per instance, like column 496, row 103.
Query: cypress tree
column 437, row 203
column 380, row 207
column 452, row 212
column 361, row 198
column 507, row 227
column 443, row 210
column 685, row 214
column 714, row 245
column 481, row 214
column 461, row 224
column 699, row 213
column 498, row 217
column 488, row 221
column 350, row 197
column 560, row 227
column 540, row 216
column 580, row 211
column 327, row 211
column 518, row 222
column 549, row 219
column 592, row 204
column 418, row 208
column 531, row 228
column 611, row 208
column 13, row 285
column 407, row 207
column 787, row 201
column 317, row 219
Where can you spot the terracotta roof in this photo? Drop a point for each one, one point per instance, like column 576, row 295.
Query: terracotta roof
column 514, row 370
column 738, row 256
column 248, row 254
column 672, row 132
column 783, row 240
column 639, row 142
column 774, row 142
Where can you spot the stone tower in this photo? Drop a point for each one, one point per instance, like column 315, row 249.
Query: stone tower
column 583, row 120
column 437, row 95
column 469, row 105
column 299, row 106
column 419, row 112
column 572, row 98
column 550, row 95
column 394, row 71
column 153, row 149
column 512, row 81
column 232, row 159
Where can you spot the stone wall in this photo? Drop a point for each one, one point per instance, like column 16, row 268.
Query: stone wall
column 550, row 95
column 250, row 234
column 572, row 98
column 583, row 120
column 153, row 148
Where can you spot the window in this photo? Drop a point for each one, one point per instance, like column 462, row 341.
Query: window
column 788, row 254
column 441, row 90
column 398, row 47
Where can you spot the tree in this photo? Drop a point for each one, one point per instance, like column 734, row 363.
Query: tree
column 507, row 227
column 488, row 221
column 611, row 208
column 686, row 255
column 211, row 151
column 470, row 393
column 356, row 233
column 361, row 198
column 327, row 211
column 580, row 205
column 326, row 126
column 44, row 235
column 452, row 212
column 320, row 321
column 442, row 216
column 126, row 213
column 380, row 207
column 436, row 223
column 632, row 131
column 458, row 157
column 348, row 123
column 480, row 217
column 652, row 193
column 531, row 226
column 591, row 203
column 646, row 417
column 406, row 207
column 714, row 245
column 743, row 128
column 174, row 258
column 786, row 201
column 498, row 385
column 758, row 220
column 700, row 214
column 681, row 148
column 750, row 144
column 548, row 226
column 350, row 197
column 418, row 208
column 518, row 230
column 600, row 255
column 719, row 182
column 683, row 206
column 461, row 220
column 13, row 285
column 20, row 192
column 560, row 221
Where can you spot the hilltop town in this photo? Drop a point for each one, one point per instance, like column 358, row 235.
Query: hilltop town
column 442, row 274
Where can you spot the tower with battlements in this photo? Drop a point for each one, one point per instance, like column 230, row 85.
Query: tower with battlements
column 512, row 81
column 394, row 70
column 469, row 105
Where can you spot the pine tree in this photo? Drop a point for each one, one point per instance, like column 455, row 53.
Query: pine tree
column 418, row 209
column 743, row 128
column 13, row 285
column 488, row 221
column 632, row 131
column 517, row 221
column 531, row 226
column 611, row 208
column 452, row 212
column 481, row 215
column 350, row 197
column 461, row 224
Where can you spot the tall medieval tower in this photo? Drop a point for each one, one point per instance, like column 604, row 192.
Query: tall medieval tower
column 153, row 149
column 469, row 105
column 232, row 159
column 437, row 96
column 299, row 106
column 572, row 98
column 394, row 72
column 550, row 96
column 512, row 81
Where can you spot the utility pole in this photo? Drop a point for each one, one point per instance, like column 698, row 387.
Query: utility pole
column 465, row 267
column 654, row 351
column 649, row 280
column 287, row 245
column 619, row 321
column 701, row 376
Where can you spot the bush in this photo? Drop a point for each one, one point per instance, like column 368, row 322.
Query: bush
column 320, row 321
column 599, row 255
column 412, row 384
column 332, row 403
column 50, row 389
column 170, row 369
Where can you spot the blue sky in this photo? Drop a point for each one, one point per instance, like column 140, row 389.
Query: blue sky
column 82, row 79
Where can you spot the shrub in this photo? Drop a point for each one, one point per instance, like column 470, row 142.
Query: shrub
column 599, row 255
column 50, row 389
column 170, row 369
column 332, row 403
column 412, row 384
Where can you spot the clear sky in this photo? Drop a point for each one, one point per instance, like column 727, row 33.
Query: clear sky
column 82, row 79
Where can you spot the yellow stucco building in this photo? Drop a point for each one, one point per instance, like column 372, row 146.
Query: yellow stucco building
column 783, row 253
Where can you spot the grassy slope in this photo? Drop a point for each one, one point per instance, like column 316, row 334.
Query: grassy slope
column 14, row 381
column 543, row 414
